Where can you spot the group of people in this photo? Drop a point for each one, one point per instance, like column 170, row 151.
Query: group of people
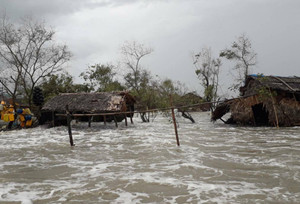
column 21, row 117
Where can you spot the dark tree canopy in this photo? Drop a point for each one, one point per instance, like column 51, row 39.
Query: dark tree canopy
column 101, row 78
column 61, row 83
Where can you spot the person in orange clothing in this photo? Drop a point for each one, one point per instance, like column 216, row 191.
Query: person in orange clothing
column 2, row 109
column 11, row 116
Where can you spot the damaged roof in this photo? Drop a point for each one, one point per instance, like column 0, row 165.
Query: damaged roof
column 286, row 84
column 89, row 102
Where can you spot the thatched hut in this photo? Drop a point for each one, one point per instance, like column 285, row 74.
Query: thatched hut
column 264, row 101
column 88, row 103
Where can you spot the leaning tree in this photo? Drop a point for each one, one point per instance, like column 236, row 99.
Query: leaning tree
column 28, row 53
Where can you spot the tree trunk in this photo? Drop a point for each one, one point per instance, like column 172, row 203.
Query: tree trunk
column 187, row 115
column 144, row 117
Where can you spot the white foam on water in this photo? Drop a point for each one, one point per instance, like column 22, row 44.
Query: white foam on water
column 141, row 163
column 23, row 197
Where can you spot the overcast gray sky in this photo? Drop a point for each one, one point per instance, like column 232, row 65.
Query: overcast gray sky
column 94, row 30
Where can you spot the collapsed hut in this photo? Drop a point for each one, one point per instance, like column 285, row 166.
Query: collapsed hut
column 264, row 101
column 97, row 107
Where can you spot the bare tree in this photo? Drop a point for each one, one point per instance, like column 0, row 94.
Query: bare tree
column 241, row 52
column 133, row 53
column 28, row 54
column 136, row 78
column 207, row 70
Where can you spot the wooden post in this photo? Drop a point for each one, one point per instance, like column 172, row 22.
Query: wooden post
column 131, row 119
column 53, row 119
column 104, row 119
column 275, row 111
column 276, row 116
column 90, row 121
column 115, row 119
column 131, row 113
column 174, row 121
column 126, row 124
column 69, row 119
column 148, row 115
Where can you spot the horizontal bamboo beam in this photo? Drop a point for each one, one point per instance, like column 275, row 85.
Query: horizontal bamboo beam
column 89, row 114
column 145, row 111
column 126, row 112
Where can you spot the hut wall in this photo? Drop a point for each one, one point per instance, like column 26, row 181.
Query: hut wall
column 272, row 121
column 287, row 111
column 241, row 110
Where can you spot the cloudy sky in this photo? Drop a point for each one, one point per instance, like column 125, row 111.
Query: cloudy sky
column 94, row 31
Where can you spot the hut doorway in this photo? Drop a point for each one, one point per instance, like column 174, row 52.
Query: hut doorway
column 261, row 115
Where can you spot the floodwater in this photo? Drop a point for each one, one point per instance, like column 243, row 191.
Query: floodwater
column 141, row 163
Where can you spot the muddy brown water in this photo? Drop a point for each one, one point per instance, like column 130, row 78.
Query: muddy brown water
column 141, row 163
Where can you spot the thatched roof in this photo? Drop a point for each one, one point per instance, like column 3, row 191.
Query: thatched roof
column 89, row 102
column 286, row 84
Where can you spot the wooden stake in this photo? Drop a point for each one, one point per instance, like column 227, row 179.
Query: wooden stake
column 69, row 119
column 276, row 116
column 131, row 114
column 53, row 119
column 104, row 118
column 126, row 124
column 275, row 111
column 148, row 114
column 115, row 121
column 131, row 119
column 90, row 121
column 174, row 121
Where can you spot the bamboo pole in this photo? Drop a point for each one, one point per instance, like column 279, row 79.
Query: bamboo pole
column 150, row 110
column 148, row 114
column 138, row 112
column 126, row 124
column 131, row 119
column 53, row 119
column 174, row 121
column 69, row 119
column 115, row 119
column 104, row 118
column 276, row 116
column 90, row 121
column 275, row 110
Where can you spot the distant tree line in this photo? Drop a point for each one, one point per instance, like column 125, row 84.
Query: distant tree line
column 150, row 91
column 30, row 57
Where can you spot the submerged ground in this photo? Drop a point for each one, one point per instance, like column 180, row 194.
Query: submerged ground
column 215, row 163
